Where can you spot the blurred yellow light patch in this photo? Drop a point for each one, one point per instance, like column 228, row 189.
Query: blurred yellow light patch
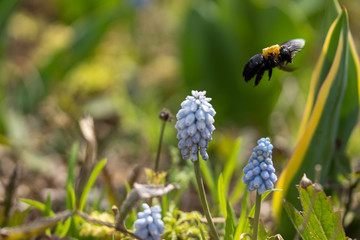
column 91, row 77
column 54, row 38
column 161, row 69
column 23, row 27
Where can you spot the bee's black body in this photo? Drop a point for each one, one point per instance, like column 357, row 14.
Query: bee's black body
column 274, row 56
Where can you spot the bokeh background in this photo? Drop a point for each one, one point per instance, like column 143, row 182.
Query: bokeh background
column 123, row 61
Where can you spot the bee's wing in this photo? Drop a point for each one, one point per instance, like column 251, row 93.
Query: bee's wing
column 294, row 45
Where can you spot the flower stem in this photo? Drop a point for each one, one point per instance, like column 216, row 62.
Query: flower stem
column 159, row 146
column 257, row 215
column 204, row 202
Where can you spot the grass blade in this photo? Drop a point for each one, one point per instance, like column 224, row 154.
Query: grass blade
column 221, row 194
column 36, row 204
column 90, row 183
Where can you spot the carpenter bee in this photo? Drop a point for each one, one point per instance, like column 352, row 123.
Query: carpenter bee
column 274, row 56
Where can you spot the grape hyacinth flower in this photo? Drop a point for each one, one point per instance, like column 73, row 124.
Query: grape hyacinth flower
column 195, row 125
column 149, row 225
column 260, row 175
column 260, row 172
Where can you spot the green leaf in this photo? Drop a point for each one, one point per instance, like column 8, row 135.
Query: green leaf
column 209, row 179
column 231, row 213
column 239, row 190
column 229, row 222
column 242, row 219
column 318, row 219
column 47, row 209
column 221, row 194
column 39, row 205
column 230, row 164
column 164, row 204
column 262, row 234
column 202, row 233
column 348, row 115
column 63, row 228
column 297, row 220
column 72, row 164
column 90, row 183
column 18, row 217
column 70, row 198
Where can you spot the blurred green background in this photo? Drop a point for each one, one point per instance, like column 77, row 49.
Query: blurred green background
column 123, row 61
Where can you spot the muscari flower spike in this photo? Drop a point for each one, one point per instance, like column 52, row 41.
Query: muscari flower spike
column 149, row 225
column 195, row 125
column 260, row 172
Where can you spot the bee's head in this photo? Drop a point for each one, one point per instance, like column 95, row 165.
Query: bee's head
column 286, row 54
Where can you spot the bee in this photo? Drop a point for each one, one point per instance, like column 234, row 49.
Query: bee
column 274, row 56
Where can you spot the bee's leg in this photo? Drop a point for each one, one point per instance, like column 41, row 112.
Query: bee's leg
column 259, row 75
column 286, row 68
column 270, row 73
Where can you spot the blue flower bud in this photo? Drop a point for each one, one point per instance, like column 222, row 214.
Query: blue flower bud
column 153, row 230
column 149, row 219
column 141, row 215
column 194, row 148
column 196, row 137
column 262, row 189
column 156, row 216
column 203, row 143
column 140, row 223
column 249, row 175
column 200, row 115
column 149, row 225
column 273, row 177
column 160, row 224
column 263, row 166
column 260, row 172
column 188, row 142
column 195, row 125
column 190, row 118
column 257, row 181
column 201, row 126
column 192, row 130
column 265, row 175
column 193, row 157
column 256, row 171
column 185, row 151
column 142, row 233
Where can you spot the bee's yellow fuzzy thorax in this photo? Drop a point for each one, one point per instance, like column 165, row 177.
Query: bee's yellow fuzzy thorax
column 272, row 50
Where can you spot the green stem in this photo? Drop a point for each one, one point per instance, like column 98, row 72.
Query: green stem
column 204, row 202
column 159, row 146
column 257, row 215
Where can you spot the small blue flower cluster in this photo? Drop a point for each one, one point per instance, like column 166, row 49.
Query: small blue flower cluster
column 195, row 125
column 260, row 172
column 149, row 225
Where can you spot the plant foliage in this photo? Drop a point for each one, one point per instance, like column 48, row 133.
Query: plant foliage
column 330, row 116
column 317, row 220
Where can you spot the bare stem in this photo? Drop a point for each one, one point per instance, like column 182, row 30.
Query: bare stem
column 257, row 215
column 159, row 146
column 204, row 202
